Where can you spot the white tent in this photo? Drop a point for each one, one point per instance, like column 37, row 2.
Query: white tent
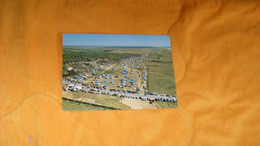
column 78, row 87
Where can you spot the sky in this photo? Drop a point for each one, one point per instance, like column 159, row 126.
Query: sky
column 116, row 40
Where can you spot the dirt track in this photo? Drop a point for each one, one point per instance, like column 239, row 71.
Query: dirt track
column 137, row 104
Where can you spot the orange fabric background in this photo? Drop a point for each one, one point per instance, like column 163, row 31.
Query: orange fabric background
column 216, row 58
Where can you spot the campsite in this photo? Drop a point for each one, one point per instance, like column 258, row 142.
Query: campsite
column 117, row 78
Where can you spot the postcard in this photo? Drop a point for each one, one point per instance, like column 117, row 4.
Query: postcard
column 117, row 72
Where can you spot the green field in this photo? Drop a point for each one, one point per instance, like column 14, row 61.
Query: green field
column 160, row 73
column 99, row 99
column 163, row 104
column 90, row 54
column 79, row 106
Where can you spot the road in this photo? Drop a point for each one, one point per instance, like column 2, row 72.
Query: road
column 125, row 95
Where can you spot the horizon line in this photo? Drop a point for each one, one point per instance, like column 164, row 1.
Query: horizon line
column 116, row 46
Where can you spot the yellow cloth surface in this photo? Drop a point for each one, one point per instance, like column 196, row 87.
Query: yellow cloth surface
column 216, row 54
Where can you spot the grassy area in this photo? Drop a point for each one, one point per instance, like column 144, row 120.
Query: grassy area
column 110, row 72
column 105, row 100
column 73, row 105
column 90, row 54
column 160, row 72
column 163, row 104
column 132, row 50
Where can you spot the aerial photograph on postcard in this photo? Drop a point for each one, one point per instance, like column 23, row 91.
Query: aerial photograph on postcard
column 117, row 72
